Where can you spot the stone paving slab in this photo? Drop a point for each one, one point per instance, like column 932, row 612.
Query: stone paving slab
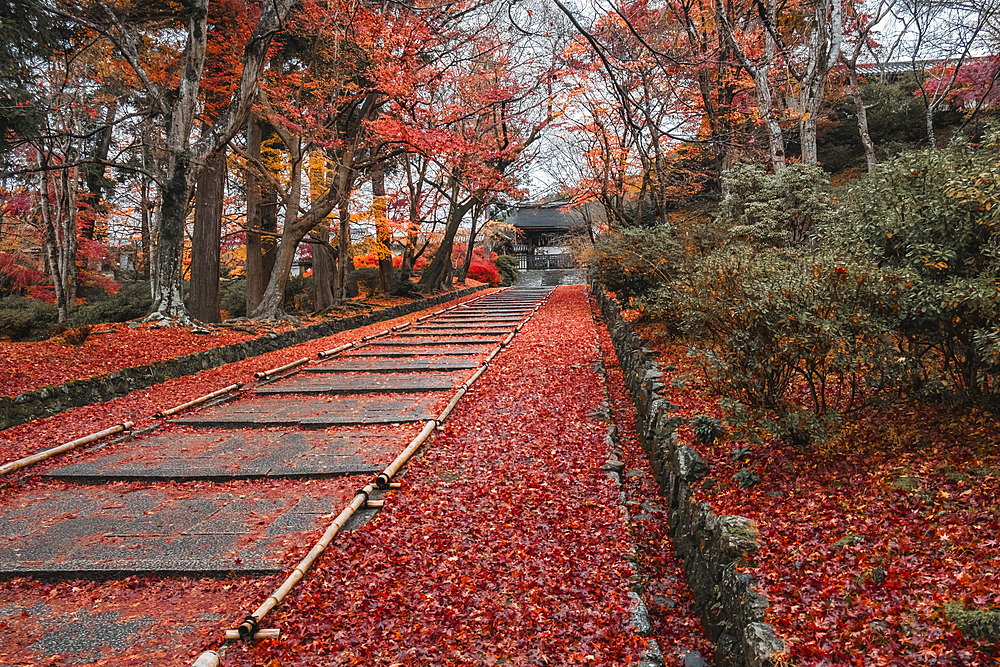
column 249, row 454
column 421, row 338
column 364, row 383
column 477, row 318
column 314, row 412
column 97, row 531
column 394, row 365
column 443, row 333
column 424, row 351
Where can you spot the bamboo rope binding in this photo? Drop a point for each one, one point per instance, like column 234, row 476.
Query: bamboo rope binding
column 73, row 444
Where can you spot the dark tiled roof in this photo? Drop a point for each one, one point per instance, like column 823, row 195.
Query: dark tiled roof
column 896, row 67
column 547, row 216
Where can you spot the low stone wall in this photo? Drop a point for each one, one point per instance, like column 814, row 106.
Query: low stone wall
column 730, row 603
column 53, row 399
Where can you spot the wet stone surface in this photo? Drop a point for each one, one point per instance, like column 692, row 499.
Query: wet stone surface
column 364, row 383
column 423, row 339
column 397, row 365
column 225, row 456
column 427, row 350
column 146, row 530
column 441, row 331
column 315, row 412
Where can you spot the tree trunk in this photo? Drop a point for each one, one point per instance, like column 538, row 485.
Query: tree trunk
column 321, row 255
column 323, row 266
column 825, row 40
column 146, row 208
column 176, row 193
column 859, row 104
column 272, row 305
column 435, row 274
column 343, row 252
column 256, row 280
column 184, row 162
column 929, row 125
column 57, row 202
column 204, row 302
column 467, row 262
column 382, row 230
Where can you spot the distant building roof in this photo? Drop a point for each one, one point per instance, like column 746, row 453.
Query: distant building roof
column 545, row 216
column 896, row 67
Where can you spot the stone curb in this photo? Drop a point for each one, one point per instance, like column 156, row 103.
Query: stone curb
column 731, row 603
column 53, row 399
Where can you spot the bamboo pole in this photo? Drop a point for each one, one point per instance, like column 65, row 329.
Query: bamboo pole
column 275, row 598
column 361, row 499
column 451, row 404
column 269, row 633
column 162, row 414
column 65, row 447
column 280, row 369
column 339, row 348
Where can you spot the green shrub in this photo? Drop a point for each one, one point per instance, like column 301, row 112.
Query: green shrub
column 234, row 298
column 633, row 261
column 402, row 285
column 706, row 429
column 508, row 266
column 934, row 217
column 15, row 325
column 777, row 211
column 369, row 278
column 299, row 294
column 792, row 341
column 131, row 302
column 21, row 316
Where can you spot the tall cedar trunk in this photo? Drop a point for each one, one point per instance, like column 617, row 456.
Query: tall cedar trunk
column 382, row 231
column 204, row 301
column 184, row 162
column 261, row 216
column 343, row 252
column 255, row 260
column 319, row 182
column 323, row 265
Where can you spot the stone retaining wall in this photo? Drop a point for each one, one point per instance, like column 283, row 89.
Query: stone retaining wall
column 51, row 400
column 730, row 602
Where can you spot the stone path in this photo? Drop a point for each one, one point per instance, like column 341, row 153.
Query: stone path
column 243, row 487
column 332, row 420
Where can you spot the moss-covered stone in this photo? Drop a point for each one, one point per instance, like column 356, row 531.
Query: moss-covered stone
column 848, row 540
column 982, row 623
